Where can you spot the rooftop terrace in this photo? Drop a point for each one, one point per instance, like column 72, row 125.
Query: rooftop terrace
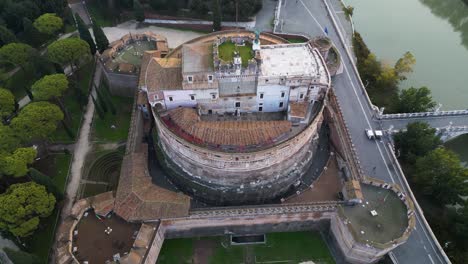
column 390, row 222
column 227, row 49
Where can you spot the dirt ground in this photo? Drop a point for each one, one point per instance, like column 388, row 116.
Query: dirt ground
column 202, row 250
column 325, row 188
column 95, row 246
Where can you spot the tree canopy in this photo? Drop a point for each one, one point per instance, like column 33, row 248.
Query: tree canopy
column 216, row 7
column 405, row 65
column 441, row 176
column 413, row 100
column 102, row 42
column 67, row 51
column 17, row 54
column 7, row 103
column 418, row 139
column 6, row 36
column 16, row 164
column 48, row 23
column 22, row 206
column 37, row 120
column 138, row 10
column 9, row 141
column 85, row 35
column 50, row 86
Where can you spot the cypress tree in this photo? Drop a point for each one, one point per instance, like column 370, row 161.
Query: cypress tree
column 102, row 42
column 216, row 15
column 98, row 108
column 84, row 34
column 138, row 11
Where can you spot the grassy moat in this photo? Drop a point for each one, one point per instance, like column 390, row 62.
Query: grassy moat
column 294, row 247
column 226, row 52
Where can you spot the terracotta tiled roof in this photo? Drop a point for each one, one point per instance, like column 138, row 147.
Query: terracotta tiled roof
column 102, row 203
column 233, row 133
column 162, row 74
column 138, row 199
column 298, row 109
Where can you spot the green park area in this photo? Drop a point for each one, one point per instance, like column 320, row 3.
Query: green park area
column 227, row 49
column 294, row 247
column 55, row 166
column 112, row 118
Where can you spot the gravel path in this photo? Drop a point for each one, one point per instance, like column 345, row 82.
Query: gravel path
column 82, row 147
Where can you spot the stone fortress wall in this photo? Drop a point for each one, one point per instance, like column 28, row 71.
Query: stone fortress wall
column 254, row 176
column 234, row 178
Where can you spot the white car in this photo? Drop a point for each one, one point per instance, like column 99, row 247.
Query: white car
column 370, row 134
column 378, row 134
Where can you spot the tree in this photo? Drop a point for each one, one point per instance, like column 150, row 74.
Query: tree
column 6, row 36
column 22, row 206
column 37, row 120
column 414, row 100
column 51, row 87
column 16, row 54
column 418, row 139
column 46, row 181
column 199, row 7
column 16, row 164
column 85, row 35
column 48, row 23
column 441, row 176
column 405, row 65
column 138, row 11
column 216, row 9
column 158, row 4
column 7, row 103
column 348, row 10
column 101, row 40
column 68, row 51
column 21, row 256
column 8, row 140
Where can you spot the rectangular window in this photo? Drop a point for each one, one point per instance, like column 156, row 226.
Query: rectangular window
column 283, row 94
column 190, row 79
column 281, row 105
column 237, row 104
column 260, row 108
column 213, row 96
column 261, row 96
column 171, row 98
column 210, row 78
column 156, row 97
column 192, row 97
column 301, row 96
column 210, row 111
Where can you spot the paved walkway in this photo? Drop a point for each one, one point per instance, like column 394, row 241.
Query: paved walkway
column 82, row 147
column 265, row 16
column 81, row 9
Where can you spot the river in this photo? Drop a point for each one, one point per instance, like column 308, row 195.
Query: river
column 436, row 33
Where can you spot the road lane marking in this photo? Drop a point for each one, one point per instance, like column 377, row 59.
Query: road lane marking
column 431, row 258
column 310, row 13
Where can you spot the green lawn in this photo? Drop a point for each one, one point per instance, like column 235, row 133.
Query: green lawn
column 226, row 52
column 296, row 41
column 56, row 166
column 103, row 129
column 294, row 247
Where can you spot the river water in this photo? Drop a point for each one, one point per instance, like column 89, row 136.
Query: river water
column 436, row 33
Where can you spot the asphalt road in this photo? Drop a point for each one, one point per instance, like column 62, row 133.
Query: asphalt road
column 310, row 17
column 435, row 122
